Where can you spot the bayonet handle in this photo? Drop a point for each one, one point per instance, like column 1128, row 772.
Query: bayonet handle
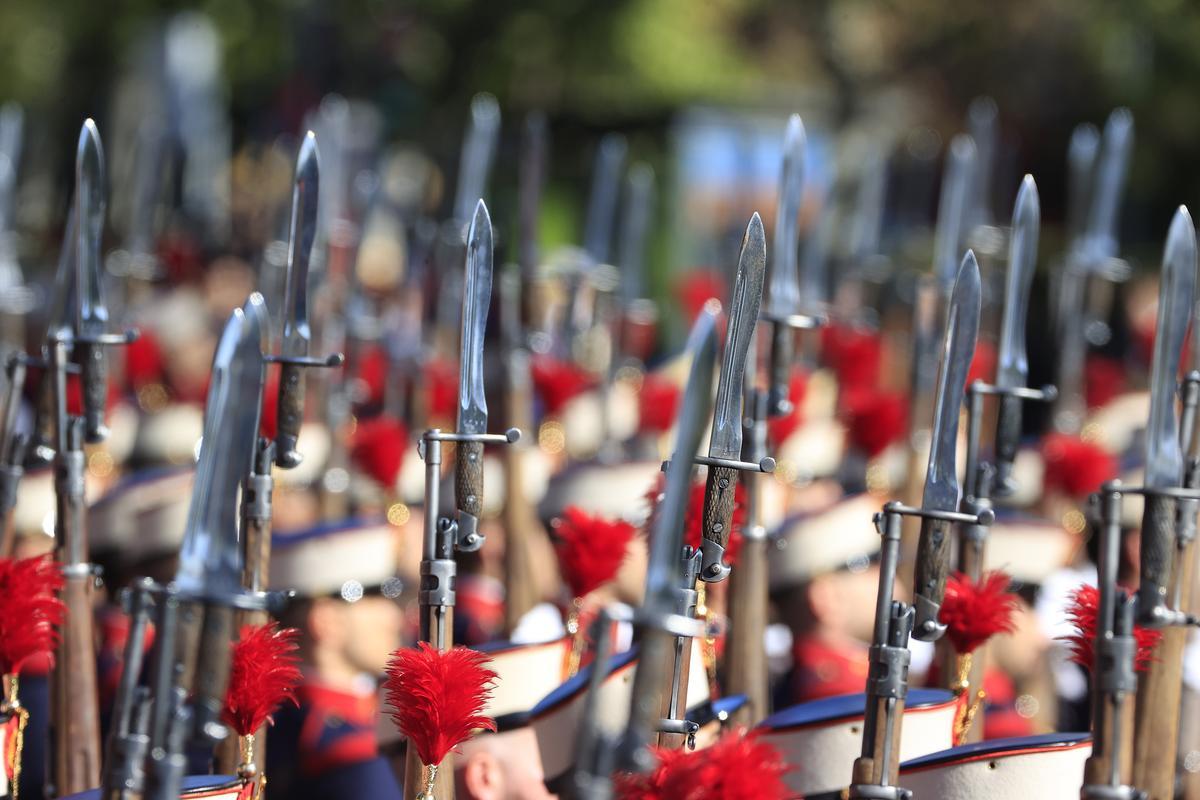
column 94, row 368
column 212, row 675
column 1157, row 557
column 468, row 482
column 1008, row 437
column 717, row 520
column 929, row 580
column 782, row 348
column 290, row 408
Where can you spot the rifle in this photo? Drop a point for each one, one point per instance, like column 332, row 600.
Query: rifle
column 74, row 707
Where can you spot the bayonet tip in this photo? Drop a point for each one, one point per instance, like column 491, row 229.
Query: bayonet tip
column 1028, row 208
column 794, row 137
column 968, row 273
column 755, row 237
column 90, row 149
column 983, row 111
column 481, row 223
column 1181, row 239
column 308, row 160
column 962, row 149
column 485, row 110
column 1120, row 122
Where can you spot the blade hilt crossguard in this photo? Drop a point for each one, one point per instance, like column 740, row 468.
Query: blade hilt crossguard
column 93, row 370
column 291, row 402
column 718, row 509
column 1008, row 427
column 783, row 330
column 465, row 526
column 927, row 627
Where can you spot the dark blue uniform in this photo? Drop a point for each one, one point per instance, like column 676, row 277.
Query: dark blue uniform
column 326, row 749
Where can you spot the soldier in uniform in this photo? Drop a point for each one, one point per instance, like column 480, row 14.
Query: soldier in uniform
column 350, row 622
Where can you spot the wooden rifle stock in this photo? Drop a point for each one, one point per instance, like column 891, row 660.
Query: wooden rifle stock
column 520, row 521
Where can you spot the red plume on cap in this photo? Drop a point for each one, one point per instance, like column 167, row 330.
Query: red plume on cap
column 29, row 610
column 874, row 419
column 696, row 288
column 143, row 361
column 780, row 428
column 1074, row 467
column 983, row 363
column 372, row 373
column 1082, row 611
column 268, row 423
column 263, row 674
column 854, row 355
column 558, row 382
column 378, row 448
column 740, row 765
column 437, row 698
column 658, row 403
column 1104, row 379
column 975, row 612
column 441, row 382
column 693, row 522
column 590, row 549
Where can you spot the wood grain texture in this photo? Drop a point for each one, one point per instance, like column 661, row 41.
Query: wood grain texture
column 746, row 654
column 468, row 478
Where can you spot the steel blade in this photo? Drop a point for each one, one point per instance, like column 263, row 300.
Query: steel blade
column 635, row 227
column 726, row 440
column 867, row 224
column 92, row 315
column 962, row 328
column 477, row 296
column 1081, row 168
column 1164, row 457
column 210, row 557
column 479, row 149
column 784, row 296
column 529, row 191
column 305, row 192
column 602, row 198
column 1012, row 368
column 952, row 208
column 982, row 122
column 1116, row 146
column 60, row 314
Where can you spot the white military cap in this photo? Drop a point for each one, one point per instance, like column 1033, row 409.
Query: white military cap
column 821, row 739
column 522, row 673
column 143, row 515
column 1029, row 548
column 339, row 559
column 583, row 419
column 314, row 443
column 1045, row 767
column 170, row 436
column 195, row 787
column 36, row 504
column 840, row 536
column 612, row 490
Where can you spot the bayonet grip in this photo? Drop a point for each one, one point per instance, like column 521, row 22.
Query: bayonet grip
column 290, row 415
column 1008, row 438
column 468, row 492
column 929, row 579
column 212, row 675
column 1157, row 557
column 717, row 520
column 782, row 346
column 93, row 367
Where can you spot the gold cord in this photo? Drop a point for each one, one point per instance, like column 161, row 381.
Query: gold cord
column 964, row 716
column 430, row 779
column 708, row 646
column 575, row 656
column 12, row 705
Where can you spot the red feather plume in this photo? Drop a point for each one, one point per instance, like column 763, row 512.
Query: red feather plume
column 780, row 428
column 590, row 549
column 1082, row 611
column 855, row 355
column 658, row 402
column 693, row 521
column 30, row 610
column 1104, row 379
column 874, row 419
column 975, row 612
column 441, row 380
column 378, row 449
column 1074, row 467
column 558, row 382
column 696, row 288
column 983, row 363
column 437, row 698
column 740, row 765
column 263, row 674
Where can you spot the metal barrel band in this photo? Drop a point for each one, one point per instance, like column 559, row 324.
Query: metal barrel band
column 799, row 322
column 1168, row 492
column 985, row 517
column 870, row 791
column 439, row 589
column 765, row 465
column 510, row 436
column 103, row 339
column 335, row 360
column 1047, row 394
column 82, row 570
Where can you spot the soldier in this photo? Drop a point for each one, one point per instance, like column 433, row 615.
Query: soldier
column 349, row 621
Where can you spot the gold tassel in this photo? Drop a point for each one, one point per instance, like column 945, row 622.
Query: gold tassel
column 12, row 705
column 708, row 646
column 430, row 779
column 575, row 656
column 964, row 717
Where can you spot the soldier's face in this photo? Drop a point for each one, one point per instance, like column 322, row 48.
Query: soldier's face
column 373, row 632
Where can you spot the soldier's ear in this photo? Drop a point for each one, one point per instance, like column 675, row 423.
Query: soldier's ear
column 482, row 776
column 325, row 621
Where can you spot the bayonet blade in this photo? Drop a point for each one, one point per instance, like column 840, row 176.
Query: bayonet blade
column 784, row 297
column 635, row 225
column 92, row 315
column 726, row 440
column 479, row 149
column 1116, row 146
column 305, row 191
column 477, row 296
column 210, row 557
column 962, row 328
column 1164, row 457
column 1012, row 368
column 1081, row 168
column 602, row 199
column 952, row 207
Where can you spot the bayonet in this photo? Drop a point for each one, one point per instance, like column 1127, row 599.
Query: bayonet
column 1164, row 456
column 725, row 442
column 533, row 174
column 602, row 199
column 633, row 234
column 1012, row 369
column 1081, row 169
column 952, row 208
column 1100, row 241
column 472, row 401
column 479, row 150
column 91, row 313
column 941, row 479
column 784, row 298
column 982, row 115
column 296, row 332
